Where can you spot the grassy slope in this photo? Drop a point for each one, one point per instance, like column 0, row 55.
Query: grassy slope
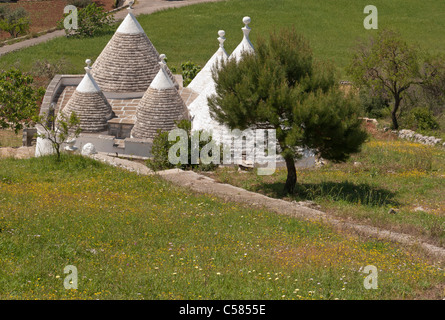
column 388, row 174
column 190, row 33
column 136, row 237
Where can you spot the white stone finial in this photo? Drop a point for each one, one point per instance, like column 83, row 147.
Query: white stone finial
column 246, row 29
column 162, row 62
column 246, row 21
column 88, row 67
column 130, row 6
column 221, row 38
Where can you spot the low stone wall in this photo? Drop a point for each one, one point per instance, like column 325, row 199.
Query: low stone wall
column 417, row 137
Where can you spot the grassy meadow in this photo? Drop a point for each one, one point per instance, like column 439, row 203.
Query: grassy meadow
column 388, row 173
column 190, row 33
column 138, row 237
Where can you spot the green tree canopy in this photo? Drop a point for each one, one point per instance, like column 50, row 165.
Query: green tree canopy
column 18, row 99
column 387, row 63
column 283, row 87
column 14, row 21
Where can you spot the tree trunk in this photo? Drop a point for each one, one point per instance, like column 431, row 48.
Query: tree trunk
column 394, row 113
column 291, row 180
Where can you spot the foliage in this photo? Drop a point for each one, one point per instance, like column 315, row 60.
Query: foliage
column 281, row 87
column 387, row 63
column 14, row 21
column 18, row 99
column 421, row 118
column 159, row 150
column 58, row 129
column 116, row 3
column 189, row 72
column 161, row 147
column 45, row 68
column 374, row 103
column 93, row 20
column 79, row 3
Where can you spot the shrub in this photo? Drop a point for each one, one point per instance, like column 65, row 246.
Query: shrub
column 116, row 4
column 79, row 3
column 18, row 99
column 47, row 69
column 374, row 104
column 189, row 72
column 161, row 147
column 93, row 20
column 14, row 21
column 421, row 118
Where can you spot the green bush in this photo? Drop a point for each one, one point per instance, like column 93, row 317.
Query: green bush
column 374, row 105
column 189, row 72
column 161, row 147
column 93, row 20
column 14, row 21
column 79, row 3
column 421, row 118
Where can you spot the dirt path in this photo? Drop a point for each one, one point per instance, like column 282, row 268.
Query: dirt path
column 203, row 184
column 142, row 7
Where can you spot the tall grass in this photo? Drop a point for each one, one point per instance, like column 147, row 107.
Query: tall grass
column 137, row 237
column 387, row 174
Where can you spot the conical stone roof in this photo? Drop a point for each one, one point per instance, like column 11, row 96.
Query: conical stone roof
column 160, row 107
column 204, row 84
column 204, row 77
column 89, row 104
column 245, row 44
column 129, row 62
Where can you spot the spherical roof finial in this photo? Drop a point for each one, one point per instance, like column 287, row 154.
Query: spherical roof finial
column 246, row 20
column 88, row 62
column 130, row 5
column 221, row 38
column 162, row 57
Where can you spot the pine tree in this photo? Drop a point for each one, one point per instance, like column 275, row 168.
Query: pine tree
column 282, row 87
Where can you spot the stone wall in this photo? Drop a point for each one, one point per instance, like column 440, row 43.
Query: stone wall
column 417, row 137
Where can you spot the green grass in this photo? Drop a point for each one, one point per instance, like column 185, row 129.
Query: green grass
column 387, row 174
column 190, row 33
column 138, row 237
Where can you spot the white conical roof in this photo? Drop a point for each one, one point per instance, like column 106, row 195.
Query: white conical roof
column 200, row 113
column 245, row 44
column 204, row 77
column 162, row 80
column 88, row 84
column 130, row 25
